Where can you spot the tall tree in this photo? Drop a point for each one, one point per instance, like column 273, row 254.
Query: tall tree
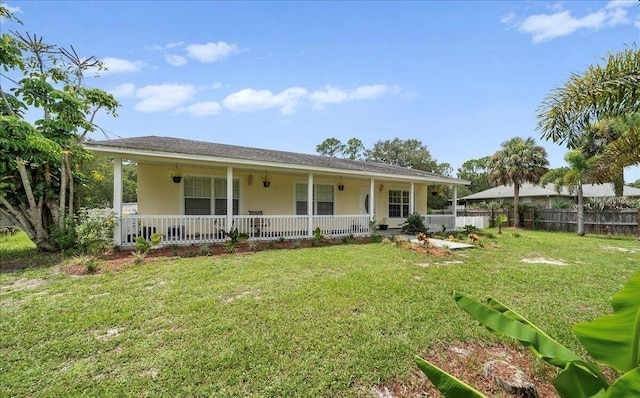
column 519, row 161
column 354, row 149
column 604, row 91
column 406, row 153
column 571, row 177
column 331, row 147
column 477, row 172
column 39, row 158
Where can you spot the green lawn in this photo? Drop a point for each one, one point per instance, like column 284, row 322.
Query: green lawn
column 328, row 321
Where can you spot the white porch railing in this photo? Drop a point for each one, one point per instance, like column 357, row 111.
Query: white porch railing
column 210, row 229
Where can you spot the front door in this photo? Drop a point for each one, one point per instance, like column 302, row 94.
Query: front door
column 364, row 201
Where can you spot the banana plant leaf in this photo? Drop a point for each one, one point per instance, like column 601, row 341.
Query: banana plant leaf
column 626, row 386
column 448, row 385
column 614, row 339
column 576, row 382
column 509, row 323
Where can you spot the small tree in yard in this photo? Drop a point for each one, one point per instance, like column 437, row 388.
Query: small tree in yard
column 39, row 159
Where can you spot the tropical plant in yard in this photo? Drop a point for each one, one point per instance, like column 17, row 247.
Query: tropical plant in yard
column 597, row 112
column 143, row 246
column 44, row 118
column 519, row 161
column 500, row 219
column 613, row 340
column 234, row 237
column 571, row 177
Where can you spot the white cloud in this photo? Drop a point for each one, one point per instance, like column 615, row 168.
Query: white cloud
column 545, row 27
column 123, row 90
column 175, row 60
column 334, row 95
column 174, row 44
column 211, row 52
column 117, row 65
column 163, row 97
column 201, row 109
column 621, row 3
column 249, row 100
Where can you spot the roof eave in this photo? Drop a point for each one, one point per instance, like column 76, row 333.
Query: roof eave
column 125, row 152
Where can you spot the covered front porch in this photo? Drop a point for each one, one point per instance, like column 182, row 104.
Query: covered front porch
column 194, row 192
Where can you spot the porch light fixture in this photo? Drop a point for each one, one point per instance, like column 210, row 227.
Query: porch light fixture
column 381, row 187
column 340, row 185
column 250, row 179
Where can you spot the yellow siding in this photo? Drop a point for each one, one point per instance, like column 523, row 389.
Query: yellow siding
column 159, row 195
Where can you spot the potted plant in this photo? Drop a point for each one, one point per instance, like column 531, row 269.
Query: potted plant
column 266, row 179
column 340, row 185
column 176, row 174
column 383, row 226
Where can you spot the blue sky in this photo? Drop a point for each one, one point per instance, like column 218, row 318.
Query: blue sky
column 462, row 77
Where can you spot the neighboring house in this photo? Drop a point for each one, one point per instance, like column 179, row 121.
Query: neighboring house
column 536, row 195
column 267, row 194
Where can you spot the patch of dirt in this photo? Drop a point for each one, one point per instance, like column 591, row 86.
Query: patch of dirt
column 466, row 361
column 621, row 249
column 23, row 284
column 542, row 260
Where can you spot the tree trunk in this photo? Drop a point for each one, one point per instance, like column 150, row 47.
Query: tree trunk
column 580, row 214
column 516, row 205
column 618, row 183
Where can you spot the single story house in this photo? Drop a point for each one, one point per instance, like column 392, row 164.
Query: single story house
column 192, row 192
column 537, row 195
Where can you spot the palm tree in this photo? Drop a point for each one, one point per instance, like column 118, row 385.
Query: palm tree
column 519, row 161
column 571, row 177
column 609, row 91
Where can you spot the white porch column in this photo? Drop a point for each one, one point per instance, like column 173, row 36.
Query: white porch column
column 455, row 201
column 117, row 200
column 310, row 205
column 372, row 191
column 229, row 198
column 412, row 198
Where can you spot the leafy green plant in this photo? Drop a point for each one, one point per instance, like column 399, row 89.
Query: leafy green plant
column 234, row 237
column 143, row 246
column 91, row 265
column 613, row 340
column 500, row 219
column 318, row 237
column 414, row 225
column 469, row 229
column 204, row 249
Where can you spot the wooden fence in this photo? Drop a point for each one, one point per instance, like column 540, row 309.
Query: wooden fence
column 608, row 221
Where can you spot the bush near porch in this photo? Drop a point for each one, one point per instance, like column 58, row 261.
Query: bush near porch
column 327, row 321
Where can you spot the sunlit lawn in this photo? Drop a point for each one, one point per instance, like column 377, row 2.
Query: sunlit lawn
column 328, row 321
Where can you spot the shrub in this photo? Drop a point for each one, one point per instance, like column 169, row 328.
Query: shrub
column 414, row 225
column 233, row 238
column 318, row 237
column 143, row 246
column 470, row 228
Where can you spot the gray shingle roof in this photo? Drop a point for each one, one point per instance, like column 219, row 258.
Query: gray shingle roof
column 530, row 190
column 171, row 145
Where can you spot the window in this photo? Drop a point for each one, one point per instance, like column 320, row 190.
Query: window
column 398, row 203
column 198, row 194
column 323, row 202
column 220, row 189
